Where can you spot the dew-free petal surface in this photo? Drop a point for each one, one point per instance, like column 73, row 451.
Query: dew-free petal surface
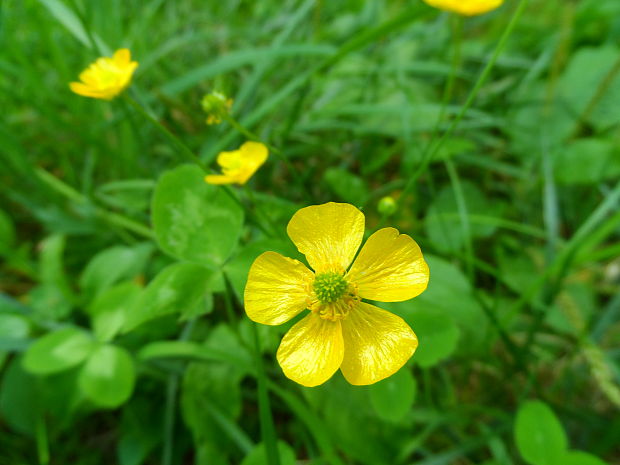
column 389, row 268
column 466, row 7
column 328, row 235
column 311, row 352
column 377, row 344
column 277, row 289
column 238, row 166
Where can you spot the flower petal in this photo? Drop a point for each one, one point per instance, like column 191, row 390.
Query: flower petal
column 122, row 57
column 328, row 235
column 389, row 268
column 377, row 344
column 466, row 7
column 277, row 289
column 219, row 179
column 311, row 352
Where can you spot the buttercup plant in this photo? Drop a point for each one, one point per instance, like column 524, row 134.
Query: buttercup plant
column 341, row 331
column 106, row 77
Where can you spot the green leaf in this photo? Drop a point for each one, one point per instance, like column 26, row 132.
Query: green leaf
column 109, row 310
column 443, row 225
column 58, row 351
column 258, row 456
column 577, row 457
column 437, row 334
column 587, row 161
column 112, row 265
column 588, row 70
column 346, row 186
column 179, row 288
column 448, row 296
column 540, row 438
column 51, row 266
column 13, row 329
column 192, row 350
column 107, row 378
column 72, row 23
column 7, row 234
column 393, row 397
column 193, row 220
column 19, row 406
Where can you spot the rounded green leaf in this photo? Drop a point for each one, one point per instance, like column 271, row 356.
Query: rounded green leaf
column 179, row 288
column 437, row 333
column 193, row 220
column 107, row 378
column 577, row 457
column 112, row 265
column 539, row 435
column 258, row 456
column 58, row 351
column 393, row 397
column 109, row 310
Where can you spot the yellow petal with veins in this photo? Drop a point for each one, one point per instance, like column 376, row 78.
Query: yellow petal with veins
column 328, row 235
column 312, row 351
column 389, row 268
column 277, row 289
column 377, row 344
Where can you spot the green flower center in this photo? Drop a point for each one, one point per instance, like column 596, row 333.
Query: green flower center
column 330, row 286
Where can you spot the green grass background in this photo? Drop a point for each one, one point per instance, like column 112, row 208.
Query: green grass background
column 499, row 137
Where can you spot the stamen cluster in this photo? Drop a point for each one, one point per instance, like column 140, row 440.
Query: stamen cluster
column 329, row 287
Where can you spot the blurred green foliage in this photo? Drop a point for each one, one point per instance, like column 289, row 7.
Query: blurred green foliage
column 122, row 332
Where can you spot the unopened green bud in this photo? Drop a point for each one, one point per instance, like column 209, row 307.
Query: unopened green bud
column 387, row 206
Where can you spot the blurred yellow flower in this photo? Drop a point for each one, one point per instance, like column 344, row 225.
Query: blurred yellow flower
column 217, row 106
column 340, row 331
column 239, row 165
column 107, row 77
column 466, row 7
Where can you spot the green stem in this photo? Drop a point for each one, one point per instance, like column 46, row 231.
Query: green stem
column 276, row 151
column 169, row 414
column 110, row 217
column 172, row 389
column 429, row 155
column 185, row 150
column 42, row 441
column 187, row 153
column 268, row 432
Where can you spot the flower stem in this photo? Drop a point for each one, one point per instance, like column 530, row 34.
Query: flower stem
column 268, row 432
column 276, row 151
column 42, row 441
column 185, row 150
column 110, row 217
column 433, row 149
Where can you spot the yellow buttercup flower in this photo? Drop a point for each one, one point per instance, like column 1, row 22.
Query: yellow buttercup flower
column 340, row 331
column 217, row 106
column 239, row 165
column 107, row 77
column 466, row 7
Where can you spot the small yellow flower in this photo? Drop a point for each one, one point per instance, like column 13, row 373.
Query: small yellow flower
column 239, row 165
column 217, row 106
column 340, row 331
column 466, row 7
column 107, row 77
